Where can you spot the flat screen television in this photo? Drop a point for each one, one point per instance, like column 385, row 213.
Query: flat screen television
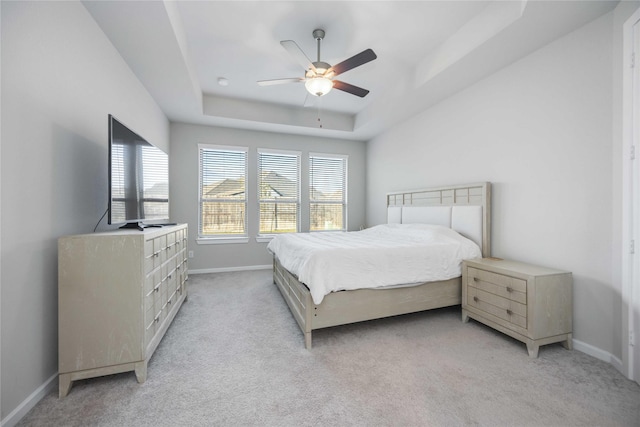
column 138, row 179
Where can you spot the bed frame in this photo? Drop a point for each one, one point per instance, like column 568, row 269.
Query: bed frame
column 465, row 208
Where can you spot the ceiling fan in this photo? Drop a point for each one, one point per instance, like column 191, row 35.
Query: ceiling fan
column 318, row 77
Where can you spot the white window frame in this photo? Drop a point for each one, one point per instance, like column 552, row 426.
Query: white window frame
column 265, row 237
column 222, row 238
column 345, row 210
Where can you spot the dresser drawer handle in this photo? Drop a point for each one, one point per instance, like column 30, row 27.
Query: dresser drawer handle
column 475, row 279
column 475, row 299
column 509, row 289
column 509, row 312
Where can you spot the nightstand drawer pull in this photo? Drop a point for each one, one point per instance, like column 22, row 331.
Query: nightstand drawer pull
column 509, row 289
column 475, row 299
column 509, row 312
column 475, row 279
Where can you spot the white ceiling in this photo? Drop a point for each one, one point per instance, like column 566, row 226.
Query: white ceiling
column 427, row 51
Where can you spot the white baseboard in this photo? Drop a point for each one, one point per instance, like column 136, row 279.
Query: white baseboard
column 228, row 269
column 598, row 354
column 16, row 415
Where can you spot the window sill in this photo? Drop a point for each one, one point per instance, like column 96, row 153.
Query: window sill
column 221, row 240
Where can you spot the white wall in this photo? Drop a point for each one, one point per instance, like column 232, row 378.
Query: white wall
column 60, row 78
column 184, row 186
column 541, row 131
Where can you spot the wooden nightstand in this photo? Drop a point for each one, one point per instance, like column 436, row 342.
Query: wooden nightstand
column 529, row 303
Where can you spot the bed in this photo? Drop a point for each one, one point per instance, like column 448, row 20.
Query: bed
column 465, row 209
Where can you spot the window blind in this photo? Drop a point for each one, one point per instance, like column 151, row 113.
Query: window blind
column 223, row 191
column 278, row 191
column 327, row 192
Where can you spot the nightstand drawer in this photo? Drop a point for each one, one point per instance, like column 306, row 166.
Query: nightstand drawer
column 504, row 308
column 498, row 284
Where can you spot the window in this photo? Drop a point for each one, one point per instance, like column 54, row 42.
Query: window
column 139, row 182
column 327, row 192
column 223, row 191
column 279, row 191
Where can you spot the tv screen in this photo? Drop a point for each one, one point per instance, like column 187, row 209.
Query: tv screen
column 138, row 178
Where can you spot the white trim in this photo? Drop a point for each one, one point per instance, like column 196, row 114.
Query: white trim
column 238, row 148
column 221, row 240
column 329, row 156
column 599, row 354
column 292, row 153
column 630, row 200
column 231, row 269
column 26, row 405
column 265, row 238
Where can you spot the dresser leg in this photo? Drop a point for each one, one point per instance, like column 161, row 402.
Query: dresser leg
column 141, row 371
column 568, row 343
column 64, row 385
column 465, row 316
column 307, row 340
column 533, row 348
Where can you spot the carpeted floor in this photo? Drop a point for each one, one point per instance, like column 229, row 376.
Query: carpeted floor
column 235, row 356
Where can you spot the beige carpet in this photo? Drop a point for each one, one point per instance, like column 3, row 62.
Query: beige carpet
column 235, row 356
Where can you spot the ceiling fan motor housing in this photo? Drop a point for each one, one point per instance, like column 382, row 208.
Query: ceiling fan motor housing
column 320, row 69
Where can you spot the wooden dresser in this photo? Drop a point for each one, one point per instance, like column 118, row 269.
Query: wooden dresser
column 529, row 303
column 117, row 295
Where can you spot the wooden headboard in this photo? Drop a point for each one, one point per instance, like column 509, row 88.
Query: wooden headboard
column 464, row 208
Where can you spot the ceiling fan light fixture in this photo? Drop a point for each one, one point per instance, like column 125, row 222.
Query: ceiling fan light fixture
column 318, row 86
column 318, row 76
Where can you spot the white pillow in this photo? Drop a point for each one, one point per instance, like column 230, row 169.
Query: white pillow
column 467, row 220
column 394, row 215
column 437, row 215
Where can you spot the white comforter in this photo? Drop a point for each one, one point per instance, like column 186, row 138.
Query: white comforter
column 384, row 255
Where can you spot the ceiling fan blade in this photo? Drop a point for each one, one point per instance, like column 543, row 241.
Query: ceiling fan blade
column 280, row 81
column 297, row 53
column 346, row 87
column 363, row 57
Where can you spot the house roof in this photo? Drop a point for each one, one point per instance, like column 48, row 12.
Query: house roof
column 278, row 186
